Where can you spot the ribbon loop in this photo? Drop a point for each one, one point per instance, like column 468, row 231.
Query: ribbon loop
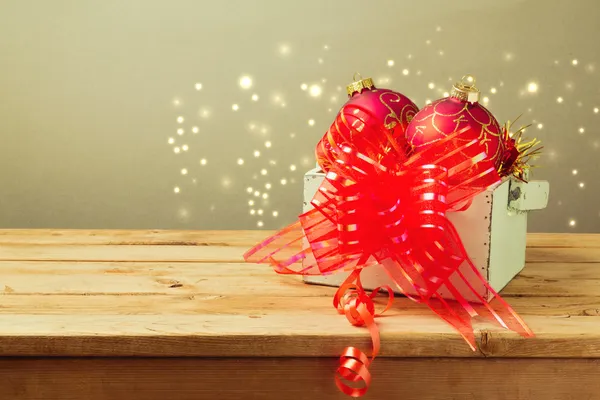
column 378, row 206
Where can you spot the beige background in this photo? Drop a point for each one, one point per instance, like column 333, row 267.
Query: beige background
column 92, row 91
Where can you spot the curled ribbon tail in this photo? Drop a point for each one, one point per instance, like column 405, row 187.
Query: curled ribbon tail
column 352, row 376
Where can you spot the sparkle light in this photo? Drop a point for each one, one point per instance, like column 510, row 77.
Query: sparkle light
column 267, row 144
column 292, row 167
column 582, row 130
column 284, row 49
column 427, row 101
column 559, row 100
column 259, row 224
column 180, row 131
column 176, row 102
column 486, row 99
column 252, row 212
column 245, row 82
column 268, row 185
column 260, row 212
column 446, row 94
column 275, row 213
column 240, row 161
column 283, row 181
column 263, row 171
column 250, row 202
column 198, row 86
column 431, row 85
column 574, row 172
column 176, row 189
column 493, row 90
column 256, row 193
column 572, row 222
column 575, row 62
column 254, row 97
column 203, row 161
column 226, row 182
column 256, row 153
column 581, row 185
column 320, row 61
column 205, row 113
column 315, row 90
column 532, row 87
column 180, row 119
column 235, row 107
column 265, row 195
column 311, row 122
column 540, row 126
column 195, row 129
column 304, row 86
column 249, row 190
column 184, row 171
column 596, row 110
column 171, row 140
column 405, row 72
column 390, row 63
column 185, row 147
column 176, row 150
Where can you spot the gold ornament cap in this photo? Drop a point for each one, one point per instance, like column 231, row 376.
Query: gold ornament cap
column 465, row 90
column 359, row 84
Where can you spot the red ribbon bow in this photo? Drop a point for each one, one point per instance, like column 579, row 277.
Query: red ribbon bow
column 376, row 206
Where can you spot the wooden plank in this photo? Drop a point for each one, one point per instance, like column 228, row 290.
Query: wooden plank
column 563, row 240
column 236, row 279
column 282, row 334
column 67, row 237
column 217, row 253
column 145, row 278
column 132, row 279
column 561, row 271
column 563, row 255
column 251, row 305
column 156, row 253
column 236, row 238
column 298, row 379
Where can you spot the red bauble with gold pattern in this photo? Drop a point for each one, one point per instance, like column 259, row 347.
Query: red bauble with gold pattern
column 451, row 114
column 381, row 107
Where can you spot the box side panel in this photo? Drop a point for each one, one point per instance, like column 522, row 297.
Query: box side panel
column 473, row 225
column 509, row 231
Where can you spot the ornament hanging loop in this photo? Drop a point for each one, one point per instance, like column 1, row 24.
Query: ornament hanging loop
column 359, row 84
column 465, row 90
column 467, row 81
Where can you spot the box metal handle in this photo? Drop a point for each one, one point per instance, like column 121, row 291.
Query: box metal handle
column 529, row 196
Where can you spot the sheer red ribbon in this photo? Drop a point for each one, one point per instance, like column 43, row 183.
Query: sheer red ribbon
column 378, row 206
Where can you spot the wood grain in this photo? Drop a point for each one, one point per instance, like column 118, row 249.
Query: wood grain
column 283, row 335
column 295, row 378
column 148, row 278
column 208, row 238
column 148, row 296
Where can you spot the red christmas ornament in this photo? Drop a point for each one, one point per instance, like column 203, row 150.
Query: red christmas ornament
column 451, row 114
column 383, row 107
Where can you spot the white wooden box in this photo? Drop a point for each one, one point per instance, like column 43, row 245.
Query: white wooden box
column 493, row 231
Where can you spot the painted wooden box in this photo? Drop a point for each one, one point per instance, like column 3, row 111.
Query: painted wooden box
column 493, row 231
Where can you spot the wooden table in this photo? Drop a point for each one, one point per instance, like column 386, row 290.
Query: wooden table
column 90, row 315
